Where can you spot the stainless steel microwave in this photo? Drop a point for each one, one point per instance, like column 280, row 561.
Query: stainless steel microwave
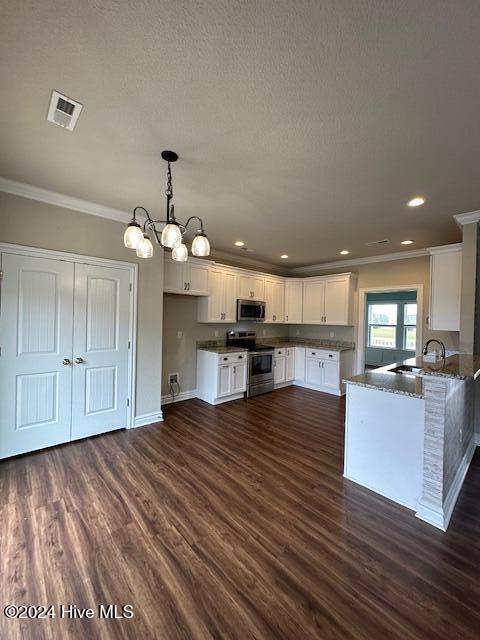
column 251, row 310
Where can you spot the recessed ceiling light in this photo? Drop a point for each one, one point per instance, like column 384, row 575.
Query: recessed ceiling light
column 345, row 252
column 416, row 202
column 239, row 243
column 407, row 242
column 284, row 256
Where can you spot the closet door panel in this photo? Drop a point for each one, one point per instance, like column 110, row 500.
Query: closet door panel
column 100, row 349
column 35, row 339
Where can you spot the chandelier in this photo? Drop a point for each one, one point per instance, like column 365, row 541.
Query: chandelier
column 171, row 236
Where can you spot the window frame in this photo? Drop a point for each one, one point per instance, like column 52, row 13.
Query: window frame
column 400, row 327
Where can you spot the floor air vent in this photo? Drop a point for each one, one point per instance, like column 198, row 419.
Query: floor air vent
column 63, row 111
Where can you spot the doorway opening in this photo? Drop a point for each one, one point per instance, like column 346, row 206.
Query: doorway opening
column 389, row 328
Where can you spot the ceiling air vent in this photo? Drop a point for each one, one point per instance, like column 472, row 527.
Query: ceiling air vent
column 63, row 111
column 372, row 244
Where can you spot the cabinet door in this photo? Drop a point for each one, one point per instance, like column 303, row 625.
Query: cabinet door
column 197, row 279
column 269, row 300
column 173, row 277
column 279, row 301
column 229, row 306
column 239, row 377
column 279, row 369
column 445, row 288
column 330, row 374
column 313, row 302
column 245, row 287
column 258, row 288
column 336, row 301
column 293, row 301
column 300, row 363
column 313, row 371
column 216, row 297
column 224, row 380
column 290, row 366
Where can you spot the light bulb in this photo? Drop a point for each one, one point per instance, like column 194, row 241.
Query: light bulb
column 145, row 248
column 180, row 252
column 200, row 245
column 133, row 236
column 171, row 235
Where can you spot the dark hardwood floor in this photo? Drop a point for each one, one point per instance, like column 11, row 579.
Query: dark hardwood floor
column 231, row 522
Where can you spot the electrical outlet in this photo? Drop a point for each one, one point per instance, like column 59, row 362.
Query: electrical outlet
column 179, row 335
column 173, row 378
column 332, row 334
column 216, row 333
column 264, row 332
column 297, row 332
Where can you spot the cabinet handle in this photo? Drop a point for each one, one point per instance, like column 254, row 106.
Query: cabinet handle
column 234, row 369
column 184, row 286
column 322, row 365
column 240, row 357
column 286, row 318
column 189, row 286
column 79, row 361
column 225, row 358
column 66, row 361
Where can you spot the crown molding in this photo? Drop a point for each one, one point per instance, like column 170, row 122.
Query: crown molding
column 386, row 257
column 61, row 200
column 467, row 218
column 242, row 260
column 446, row 248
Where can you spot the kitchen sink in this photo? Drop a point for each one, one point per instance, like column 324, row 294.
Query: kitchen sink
column 406, row 368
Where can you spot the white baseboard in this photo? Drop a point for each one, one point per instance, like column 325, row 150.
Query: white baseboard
column 452, row 496
column 440, row 516
column 431, row 514
column 148, row 418
column 183, row 395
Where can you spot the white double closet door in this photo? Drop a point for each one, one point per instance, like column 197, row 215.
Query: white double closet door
column 64, row 361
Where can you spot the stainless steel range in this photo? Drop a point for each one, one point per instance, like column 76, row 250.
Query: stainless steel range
column 260, row 361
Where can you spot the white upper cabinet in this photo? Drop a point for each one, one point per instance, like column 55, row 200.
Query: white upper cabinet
column 251, row 287
column 329, row 300
column 189, row 278
column 445, row 287
column 274, row 299
column 221, row 303
column 293, row 300
column 313, row 301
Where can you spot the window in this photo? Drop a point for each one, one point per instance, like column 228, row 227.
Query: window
column 392, row 325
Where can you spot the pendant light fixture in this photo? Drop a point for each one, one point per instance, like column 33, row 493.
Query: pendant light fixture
column 171, row 237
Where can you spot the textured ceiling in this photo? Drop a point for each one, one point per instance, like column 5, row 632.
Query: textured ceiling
column 302, row 127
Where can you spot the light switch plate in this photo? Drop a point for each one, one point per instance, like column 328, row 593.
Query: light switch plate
column 179, row 335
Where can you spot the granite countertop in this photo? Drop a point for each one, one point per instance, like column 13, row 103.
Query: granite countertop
column 222, row 349
column 460, row 366
column 406, row 385
column 284, row 344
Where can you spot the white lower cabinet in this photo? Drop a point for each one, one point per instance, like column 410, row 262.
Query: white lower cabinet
column 221, row 377
column 324, row 370
column 279, row 366
column 290, row 365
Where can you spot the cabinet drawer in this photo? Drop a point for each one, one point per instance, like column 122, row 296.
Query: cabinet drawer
column 324, row 355
column 227, row 358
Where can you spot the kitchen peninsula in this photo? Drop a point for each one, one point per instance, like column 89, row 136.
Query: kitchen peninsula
column 409, row 432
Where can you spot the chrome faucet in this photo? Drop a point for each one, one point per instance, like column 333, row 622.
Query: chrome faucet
column 425, row 347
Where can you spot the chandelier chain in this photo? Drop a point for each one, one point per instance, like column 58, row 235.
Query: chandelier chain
column 169, row 190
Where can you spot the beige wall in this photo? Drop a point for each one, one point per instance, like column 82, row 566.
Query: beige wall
column 180, row 314
column 37, row 224
column 180, row 354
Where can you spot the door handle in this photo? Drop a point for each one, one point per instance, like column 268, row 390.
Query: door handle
column 66, row 361
column 79, row 361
